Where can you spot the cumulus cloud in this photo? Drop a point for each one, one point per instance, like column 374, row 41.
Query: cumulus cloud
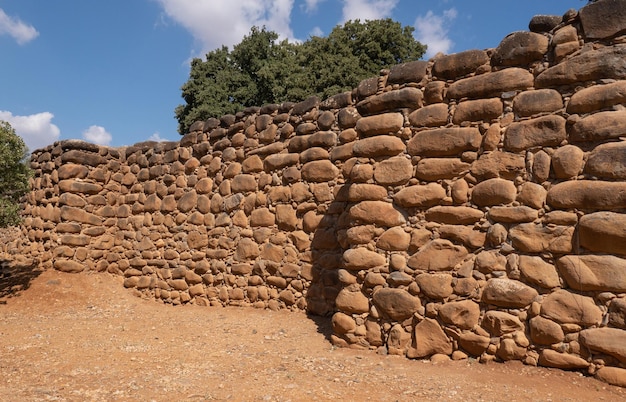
column 310, row 6
column 317, row 31
column 97, row 135
column 367, row 9
column 157, row 137
column 214, row 23
column 432, row 30
column 36, row 130
column 14, row 27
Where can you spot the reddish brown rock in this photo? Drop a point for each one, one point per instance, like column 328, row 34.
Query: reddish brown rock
column 539, row 272
column 68, row 266
column 545, row 332
column 429, row 339
column 430, row 116
column 435, row 286
column 352, row 301
column 473, row 343
column 513, row 214
column 377, row 212
column 319, row 171
column 520, row 48
column 444, row 141
column 457, row 65
column 498, row 164
column 477, row 110
column 567, row 162
column 597, row 97
column 603, row 232
column 462, row 314
column 611, row 341
column 394, row 239
column 433, row 169
column 494, row 192
column 437, row 255
column 570, row 308
column 498, row 323
column 508, row 293
column 608, row 161
column 612, row 375
column 357, row 259
column 394, row 171
column 537, row 238
column 405, row 98
column 587, row 194
column 420, row 195
column 262, row 217
column 539, row 132
column 532, row 194
column 599, row 126
column 398, row 304
column 343, row 323
column 412, row 71
column 603, row 19
column 552, row 358
column 454, row 215
column 604, row 273
column 382, row 145
column 529, row 103
column 493, row 84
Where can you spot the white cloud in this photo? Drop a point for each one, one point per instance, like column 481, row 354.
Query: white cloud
column 367, row 9
column 97, row 135
column 432, row 30
column 20, row 31
column 157, row 137
column 214, row 23
column 310, row 6
column 317, row 31
column 36, row 130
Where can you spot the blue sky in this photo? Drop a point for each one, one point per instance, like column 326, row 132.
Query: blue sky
column 110, row 71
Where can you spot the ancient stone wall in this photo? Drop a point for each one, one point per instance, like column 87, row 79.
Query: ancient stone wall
column 469, row 205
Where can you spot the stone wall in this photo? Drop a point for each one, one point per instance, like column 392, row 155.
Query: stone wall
column 472, row 205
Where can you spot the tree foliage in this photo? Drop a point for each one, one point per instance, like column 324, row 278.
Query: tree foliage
column 261, row 69
column 14, row 174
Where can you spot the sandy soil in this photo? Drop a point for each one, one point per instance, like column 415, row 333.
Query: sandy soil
column 84, row 337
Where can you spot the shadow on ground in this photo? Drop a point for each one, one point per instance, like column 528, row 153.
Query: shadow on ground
column 16, row 277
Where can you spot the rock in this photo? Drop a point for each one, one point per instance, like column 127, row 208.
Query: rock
column 394, row 239
column 319, row 171
column 552, row 358
column 520, row 48
column 462, row 314
column 243, row 183
column 352, row 301
column 435, row 286
column 188, row 201
column 569, row 308
column 612, row 375
column 603, row 63
column 429, row 339
column 611, row 341
column 405, row 98
column 376, row 212
column 537, row 238
column 356, row 259
column 593, row 272
column 68, row 266
column 444, row 142
column 567, row 162
column 286, row 218
column 603, row 19
column 488, row 261
column 343, row 323
column 603, row 232
column 541, row 166
column 79, row 215
column 542, row 131
column 539, row 272
column 246, row 250
column 459, row 64
column 279, row 161
column 430, row 116
column 545, row 332
column 262, row 217
column 509, row 350
column 597, row 97
column 608, row 160
column 433, row 169
column 529, row 103
column 394, row 171
column 494, row 192
column 454, row 215
column 513, row 214
column 420, row 196
column 532, row 194
column 438, row 255
column 398, row 340
column 508, row 293
column 492, row 84
column 473, row 343
column 599, row 126
column 477, row 110
column 79, row 187
column 498, row 323
column 398, row 304
column 498, row 164
column 587, row 194
column 381, row 145
column 544, row 23
column 617, row 313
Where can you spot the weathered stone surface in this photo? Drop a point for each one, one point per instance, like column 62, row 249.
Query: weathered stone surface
column 611, row 341
column 79, row 187
column 319, row 171
column 498, row 164
column 79, row 215
column 543, row 131
column 358, row 192
column 429, row 339
column 72, row 171
column 430, row 116
column 473, row 343
column 398, row 304
column 420, row 195
column 462, row 314
column 394, row 171
column 603, row 19
column 490, row 85
column 454, row 215
column 513, row 214
column 82, row 158
column 459, row 64
column 587, row 194
column 539, row 272
column 567, row 161
column 544, row 23
column 188, row 201
column 608, row 160
column 437, row 255
column 382, row 145
column 405, row 98
column 412, row 71
column 498, row 323
column 597, row 97
column 477, row 110
column 466, row 235
column 387, row 123
column 70, row 266
column 599, row 126
column 394, row 239
column 262, row 217
column 508, row 293
column 603, row 232
column 617, row 313
column 520, row 48
column 343, row 323
column 352, row 301
column 593, row 272
column 489, row 261
column 508, row 349
column 356, row 259
column 433, row 169
column 552, row 358
column 569, row 308
column 444, row 141
column 612, row 375
column 246, row 250
column 494, row 192
column 279, row 161
column 377, row 212
column 529, row 103
column 435, row 286
column 603, row 63
column 532, row 194
column 243, row 183
column 545, row 332
column 537, row 238
column 541, row 166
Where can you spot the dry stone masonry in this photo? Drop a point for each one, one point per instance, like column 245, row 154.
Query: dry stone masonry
column 472, row 205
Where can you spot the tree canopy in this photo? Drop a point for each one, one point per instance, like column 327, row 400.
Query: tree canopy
column 14, row 174
column 261, row 69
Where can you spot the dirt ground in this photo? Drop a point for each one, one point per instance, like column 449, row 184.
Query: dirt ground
column 84, row 337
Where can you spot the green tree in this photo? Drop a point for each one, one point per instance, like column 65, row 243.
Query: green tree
column 261, row 69
column 14, row 174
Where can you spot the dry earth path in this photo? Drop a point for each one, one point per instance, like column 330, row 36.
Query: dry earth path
column 84, row 337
